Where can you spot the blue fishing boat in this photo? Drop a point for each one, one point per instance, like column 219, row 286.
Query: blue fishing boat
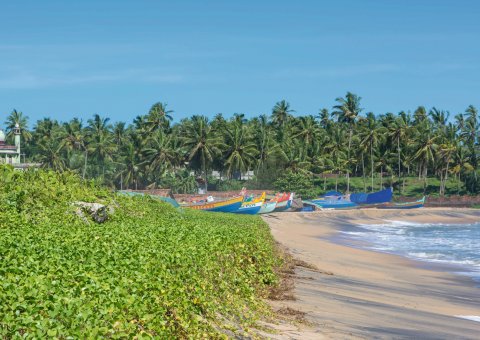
column 404, row 205
column 333, row 203
column 333, row 200
column 249, row 208
column 379, row 197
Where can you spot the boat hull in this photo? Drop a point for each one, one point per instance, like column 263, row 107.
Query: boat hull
column 379, row 197
column 267, row 207
column 407, row 205
column 284, row 204
column 332, row 204
column 228, row 206
column 249, row 209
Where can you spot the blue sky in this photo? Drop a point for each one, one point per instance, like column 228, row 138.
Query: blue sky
column 75, row 58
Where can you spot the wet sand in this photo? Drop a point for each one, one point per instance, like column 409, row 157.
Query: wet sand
column 373, row 295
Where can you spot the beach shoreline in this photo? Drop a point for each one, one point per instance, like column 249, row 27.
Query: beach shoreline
column 374, row 294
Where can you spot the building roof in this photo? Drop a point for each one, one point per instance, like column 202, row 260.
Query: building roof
column 7, row 147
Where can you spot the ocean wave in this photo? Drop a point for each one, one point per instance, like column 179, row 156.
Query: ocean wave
column 456, row 244
column 469, row 317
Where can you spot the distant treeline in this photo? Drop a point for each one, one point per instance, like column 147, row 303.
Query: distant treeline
column 154, row 152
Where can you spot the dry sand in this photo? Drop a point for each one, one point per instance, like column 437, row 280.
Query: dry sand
column 373, row 295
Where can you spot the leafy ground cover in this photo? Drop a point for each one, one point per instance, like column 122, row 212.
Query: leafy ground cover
column 150, row 270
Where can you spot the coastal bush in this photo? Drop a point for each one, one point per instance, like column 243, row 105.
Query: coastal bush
column 301, row 184
column 149, row 270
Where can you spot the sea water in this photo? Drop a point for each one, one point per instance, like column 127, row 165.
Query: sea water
column 454, row 245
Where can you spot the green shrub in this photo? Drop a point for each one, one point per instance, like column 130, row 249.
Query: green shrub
column 149, row 270
column 301, row 184
column 230, row 185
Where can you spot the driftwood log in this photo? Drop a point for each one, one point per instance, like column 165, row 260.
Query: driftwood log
column 98, row 212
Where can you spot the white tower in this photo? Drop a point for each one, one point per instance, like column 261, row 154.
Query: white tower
column 16, row 131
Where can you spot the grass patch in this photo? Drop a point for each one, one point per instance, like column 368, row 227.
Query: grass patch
column 149, row 270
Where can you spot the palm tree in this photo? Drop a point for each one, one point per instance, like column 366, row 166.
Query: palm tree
column 119, row 133
column 45, row 129
column 471, row 133
column 281, row 113
column 131, row 172
column 370, row 137
column 201, row 143
column 324, row 117
column 100, row 140
column 461, row 163
column 347, row 110
column 50, row 155
column 158, row 116
column 335, row 148
column 383, row 162
column 420, row 115
column 425, row 149
column 17, row 118
column 71, row 134
column 241, row 150
column 445, row 152
column 159, row 153
column 397, row 131
column 439, row 117
column 308, row 132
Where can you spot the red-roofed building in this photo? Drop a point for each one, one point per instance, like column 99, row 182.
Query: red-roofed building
column 10, row 154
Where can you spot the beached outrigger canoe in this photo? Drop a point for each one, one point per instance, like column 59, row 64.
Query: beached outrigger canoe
column 249, row 208
column 252, row 199
column 267, row 207
column 378, row 197
column 332, row 202
column 404, row 205
column 283, row 202
column 230, row 205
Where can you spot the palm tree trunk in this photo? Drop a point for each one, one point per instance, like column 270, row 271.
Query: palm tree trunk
column 363, row 173
column 348, row 166
column 399, row 163
column 441, row 183
column 445, row 178
column 381, row 177
column 458, row 184
column 371, row 159
column 204, row 169
column 85, row 165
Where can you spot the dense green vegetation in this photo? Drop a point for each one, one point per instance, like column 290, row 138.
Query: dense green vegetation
column 346, row 142
column 309, row 186
column 149, row 270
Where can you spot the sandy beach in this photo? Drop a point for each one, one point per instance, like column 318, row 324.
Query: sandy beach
column 358, row 293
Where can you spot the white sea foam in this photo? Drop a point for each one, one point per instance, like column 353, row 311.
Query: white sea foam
column 469, row 317
column 456, row 244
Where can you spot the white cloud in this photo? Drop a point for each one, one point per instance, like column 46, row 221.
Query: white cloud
column 22, row 79
column 340, row 71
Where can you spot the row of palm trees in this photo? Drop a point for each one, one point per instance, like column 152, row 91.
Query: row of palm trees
column 154, row 152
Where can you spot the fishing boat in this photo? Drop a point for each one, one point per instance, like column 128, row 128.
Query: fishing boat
column 332, row 202
column 283, row 202
column 230, row 205
column 267, row 207
column 252, row 199
column 404, row 205
column 249, row 208
column 379, row 197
